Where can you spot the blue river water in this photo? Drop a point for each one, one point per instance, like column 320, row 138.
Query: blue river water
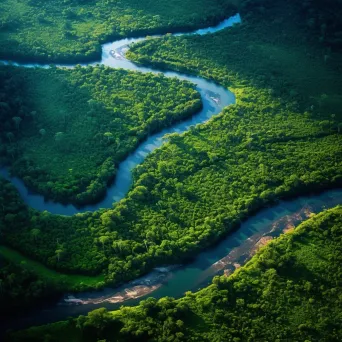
column 232, row 252
column 228, row 255
column 214, row 98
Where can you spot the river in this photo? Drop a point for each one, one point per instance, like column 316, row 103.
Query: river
column 231, row 253
column 224, row 258
column 214, row 98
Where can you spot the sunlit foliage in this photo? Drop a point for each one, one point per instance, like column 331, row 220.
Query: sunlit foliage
column 64, row 131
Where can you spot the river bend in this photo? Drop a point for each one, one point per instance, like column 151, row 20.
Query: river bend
column 224, row 258
column 214, row 98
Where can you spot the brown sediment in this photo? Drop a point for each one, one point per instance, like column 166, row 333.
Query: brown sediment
column 290, row 221
column 236, row 253
column 136, row 289
column 135, row 292
column 262, row 242
column 129, row 293
column 308, row 212
column 289, row 228
column 252, row 244
column 227, row 273
column 116, row 299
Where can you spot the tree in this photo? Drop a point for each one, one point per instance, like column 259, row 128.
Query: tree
column 103, row 239
column 98, row 319
column 10, row 136
column 42, row 132
column 33, row 114
column 108, row 135
column 35, row 233
column 80, row 322
column 17, row 120
column 59, row 252
column 59, row 136
column 10, row 279
column 339, row 127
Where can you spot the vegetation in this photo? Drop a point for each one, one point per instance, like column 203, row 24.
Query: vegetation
column 281, row 139
column 323, row 20
column 72, row 30
column 289, row 291
column 20, row 287
column 64, row 131
column 24, row 281
column 70, row 282
column 289, row 63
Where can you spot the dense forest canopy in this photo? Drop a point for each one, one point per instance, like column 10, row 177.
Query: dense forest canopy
column 291, row 63
column 64, row 131
column 281, row 139
column 289, row 291
column 71, row 30
column 321, row 18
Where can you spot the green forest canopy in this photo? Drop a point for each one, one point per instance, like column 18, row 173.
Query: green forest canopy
column 281, row 139
column 289, row 291
column 72, row 30
column 64, row 131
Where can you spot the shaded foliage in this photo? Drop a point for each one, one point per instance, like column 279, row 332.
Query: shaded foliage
column 288, row 291
column 72, row 30
column 64, row 131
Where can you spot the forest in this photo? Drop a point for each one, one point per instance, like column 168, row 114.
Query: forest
column 64, row 131
column 289, row 291
column 200, row 185
column 281, row 139
column 72, row 30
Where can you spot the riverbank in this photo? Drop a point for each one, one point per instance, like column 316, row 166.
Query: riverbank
column 224, row 258
column 200, row 185
column 287, row 290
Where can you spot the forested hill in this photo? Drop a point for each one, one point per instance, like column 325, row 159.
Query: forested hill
column 289, row 291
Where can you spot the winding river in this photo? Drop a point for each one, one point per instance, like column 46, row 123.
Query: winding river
column 214, row 98
column 223, row 258
column 231, row 253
